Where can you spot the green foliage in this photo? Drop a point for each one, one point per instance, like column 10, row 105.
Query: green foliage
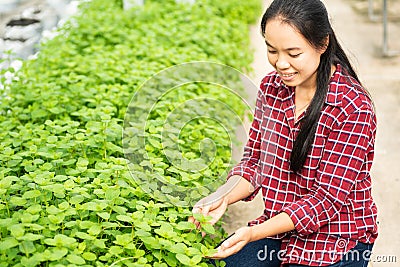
column 67, row 197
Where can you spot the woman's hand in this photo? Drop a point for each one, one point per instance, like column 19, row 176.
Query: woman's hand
column 234, row 244
column 213, row 205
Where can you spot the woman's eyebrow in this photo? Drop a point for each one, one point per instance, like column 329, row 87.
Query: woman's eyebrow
column 287, row 49
column 266, row 42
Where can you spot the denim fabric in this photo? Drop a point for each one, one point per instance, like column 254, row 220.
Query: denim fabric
column 257, row 254
column 265, row 253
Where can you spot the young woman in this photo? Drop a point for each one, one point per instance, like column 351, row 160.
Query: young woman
column 310, row 151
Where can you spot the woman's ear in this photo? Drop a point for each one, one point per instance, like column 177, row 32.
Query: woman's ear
column 325, row 46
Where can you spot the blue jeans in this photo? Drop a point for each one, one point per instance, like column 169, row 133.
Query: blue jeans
column 265, row 253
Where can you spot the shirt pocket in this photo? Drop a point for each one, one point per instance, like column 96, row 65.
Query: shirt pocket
column 314, row 156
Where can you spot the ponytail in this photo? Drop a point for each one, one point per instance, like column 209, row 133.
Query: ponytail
column 333, row 55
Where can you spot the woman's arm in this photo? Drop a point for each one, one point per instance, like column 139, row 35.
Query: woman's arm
column 342, row 163
column 278, row 224
column 235, row 189
column 214, row 205
column 242, row 179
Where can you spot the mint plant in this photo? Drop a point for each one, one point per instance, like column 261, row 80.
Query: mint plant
column 67, row 192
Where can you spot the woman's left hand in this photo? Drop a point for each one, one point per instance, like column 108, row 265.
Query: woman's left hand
column 234, row 244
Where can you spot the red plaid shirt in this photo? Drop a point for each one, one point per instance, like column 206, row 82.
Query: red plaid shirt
column 330, row 199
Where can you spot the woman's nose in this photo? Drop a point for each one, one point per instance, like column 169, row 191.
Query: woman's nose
column 282, row 63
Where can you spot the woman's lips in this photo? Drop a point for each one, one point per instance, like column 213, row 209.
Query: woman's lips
column 288, row 76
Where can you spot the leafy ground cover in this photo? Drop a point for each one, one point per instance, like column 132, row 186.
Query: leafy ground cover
column 67, row 196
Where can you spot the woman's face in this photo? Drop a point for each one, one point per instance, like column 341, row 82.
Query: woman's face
column 293, row 57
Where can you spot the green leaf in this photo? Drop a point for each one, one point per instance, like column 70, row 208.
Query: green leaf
column 6, row 222
column 60, row 240
column 38, row 113
column 151, row 242
column 84, row 236
column 17, row 230
column 27, row 247
column 18, row 201
column 34, row 209
column 28, row 218
column 95, row 230
column 186, row 226
column 56, row 254
column 179, row 248
column 100, row 243
column 57, row 219
column 183, row 259
column 124, row 218
column 104, row 215
column 31, row 237
column 171, row 259
column 195, row 260
column 76, row 199
column 31, row 194
column 143, row 225
column 156, row 264
column 201, row 218
column 208, row 228
column 115, row 250
column 75, row 259
column 112, row 193
column 89, row 256
column 82, row 162
column 123, row 240
column 8, row 243
column 32, row 261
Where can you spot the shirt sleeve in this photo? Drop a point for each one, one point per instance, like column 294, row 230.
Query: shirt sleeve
column 249, row 164
column 343, row 161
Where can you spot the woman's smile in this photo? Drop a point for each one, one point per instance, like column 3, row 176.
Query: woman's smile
column 287, row 77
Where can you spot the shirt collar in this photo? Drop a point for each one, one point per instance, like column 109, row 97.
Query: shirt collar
column 334, row 95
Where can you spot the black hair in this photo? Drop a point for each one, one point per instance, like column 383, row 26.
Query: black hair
column 310, row 18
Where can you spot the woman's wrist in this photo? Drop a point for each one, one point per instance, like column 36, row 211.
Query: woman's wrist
column 235, row 189
column 278, row 224
column 258, row 232
column 252, row 236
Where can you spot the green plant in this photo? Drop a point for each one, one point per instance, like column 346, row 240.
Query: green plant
column 67, row 195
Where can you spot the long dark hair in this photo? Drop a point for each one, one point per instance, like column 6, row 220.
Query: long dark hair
column 311, row 19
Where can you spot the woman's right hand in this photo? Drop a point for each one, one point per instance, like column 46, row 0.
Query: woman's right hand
column 212, row 205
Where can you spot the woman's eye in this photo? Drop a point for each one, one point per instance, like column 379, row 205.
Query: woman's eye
column 296, row 55
column 271, row 52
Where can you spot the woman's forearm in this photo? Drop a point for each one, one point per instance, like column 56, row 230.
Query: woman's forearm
column 238, row 188
column 235, row 189
column 278, row 224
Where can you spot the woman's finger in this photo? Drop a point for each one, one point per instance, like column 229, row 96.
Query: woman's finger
column 231, row 241
column 223, row 253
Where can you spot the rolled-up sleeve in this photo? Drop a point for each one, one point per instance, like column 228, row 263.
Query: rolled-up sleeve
column 343, row 162
column 249, row 164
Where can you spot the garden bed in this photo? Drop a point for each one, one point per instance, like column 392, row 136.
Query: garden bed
column 68, row 197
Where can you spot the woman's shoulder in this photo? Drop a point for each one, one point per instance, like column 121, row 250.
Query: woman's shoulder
column 353, row 94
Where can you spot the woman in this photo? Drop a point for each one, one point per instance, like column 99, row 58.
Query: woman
column 310, row 151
